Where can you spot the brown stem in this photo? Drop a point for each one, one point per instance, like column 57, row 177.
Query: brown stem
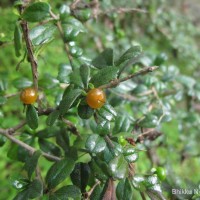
column 26, row 146
column 59, row 26
column 116, row 82
column 31, row 57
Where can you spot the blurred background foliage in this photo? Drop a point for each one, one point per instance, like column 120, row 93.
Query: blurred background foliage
column 169, row 32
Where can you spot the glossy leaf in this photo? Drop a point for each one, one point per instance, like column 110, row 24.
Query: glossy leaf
column 31, row 117
column 59, row 171
column 150, row 121
column 42, row 34
column 130, row 154
column 107, row 112
column 104, row 75
column 119, row 167
column 95, row 144
column 103, row 128
column 65, row 193
column 104, row 59
column 122, row 124
column 36, row 12
column 67, row 101
column 31, row 163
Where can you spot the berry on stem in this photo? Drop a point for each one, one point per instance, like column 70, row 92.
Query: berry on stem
column 28, row 95
column 96, row 98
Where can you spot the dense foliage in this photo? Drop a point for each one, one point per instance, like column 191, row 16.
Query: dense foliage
column 136, row 136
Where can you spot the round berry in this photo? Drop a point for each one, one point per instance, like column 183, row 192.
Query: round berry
column 161, row 173
column 96, row 98
column 122, row 140
column 28, row 95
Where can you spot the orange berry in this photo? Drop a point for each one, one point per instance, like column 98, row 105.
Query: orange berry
column 28, row 95
column 96, row 98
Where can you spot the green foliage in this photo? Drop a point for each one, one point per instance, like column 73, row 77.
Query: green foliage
column 61, row 148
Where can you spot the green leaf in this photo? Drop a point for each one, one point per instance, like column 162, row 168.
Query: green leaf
column 22, row 82
column 47, row 132
column 107, row 112
column 3, row 100
column 104, row 59
column 131, row 54
column 85, row 112
column 150, row 121
column 85, row 74
column 122, row 124
column 104, row 75
column 59, row 171
column 75, row 78
column 97, row 193
column 64, row 12
column 2, row 140
column 42, row 34
column 62, row 139
column 36, row 12
column 31, row 163
column 119, row 167
column 63, row 73
column 124, row 190
column 49, row 147
column 99, row 169
column 68, row 100
column 103, row 128
column 130, row 154
column 66, row 193
column 17, row 40
column 95, row 144
column 52, row 117
column 80, row 176
column 31, row 117
column 33, row 190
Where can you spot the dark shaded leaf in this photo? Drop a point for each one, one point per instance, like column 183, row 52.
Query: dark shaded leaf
column 59, row 171
column 22, row 82
column 36, row 12
column 68, row 100
column 85, row 112
column 31, row 163
column 17, row 40
column 52, row 117
column 62, row 139
column 49, row 147
column 31, row 117
column 80, row 175
column 104, row 59
column 85, row 74
column 124, row 190
column 66, row 192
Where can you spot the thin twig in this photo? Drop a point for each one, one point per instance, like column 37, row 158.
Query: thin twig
column 122, row 10
column 116, row 82
column 15, row 128
column 89, row 193
column 74, row 4
column 59, row 26
column 71, row 127
column 26, row 146
column 31, row 57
